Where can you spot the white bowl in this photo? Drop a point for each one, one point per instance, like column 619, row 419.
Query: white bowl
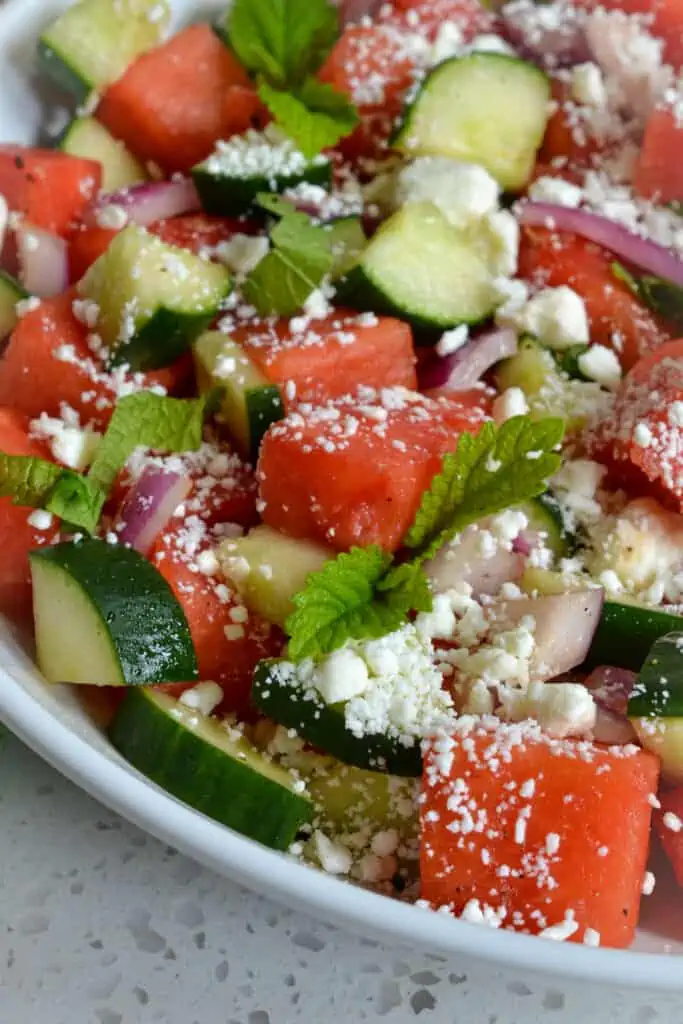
column 52, row 722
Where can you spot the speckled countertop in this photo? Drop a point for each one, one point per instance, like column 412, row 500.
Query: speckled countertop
column 102, row 924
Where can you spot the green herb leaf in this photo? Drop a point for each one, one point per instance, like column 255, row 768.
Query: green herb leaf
column 283, row 40
column 353, row 597
column 489, row 472
column 301, row 255
column 77, row 501
column 27, row 480
column 314, row 115
column 149, row 421
column 661, row 296
column 38, row 483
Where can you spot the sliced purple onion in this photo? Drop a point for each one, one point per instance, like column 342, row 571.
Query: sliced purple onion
column 149, row 202
column 465, row 367
column 612, row 729
column 43, row 261
column 565, row 625
column 550, row 45
column 150, row 504
column 351, row 11
column 611, row 688
column 641, row 252
column 464, row 563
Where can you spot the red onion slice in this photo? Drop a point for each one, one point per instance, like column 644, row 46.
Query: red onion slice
column 611, row 688
column 466, row 366
column 564, row 630
column 149, row 506
column 351, row 11
column 152, row 201
column 43, row 261
column 641, row 252
column 464, row 563
column 612, row 729
column 545, row 41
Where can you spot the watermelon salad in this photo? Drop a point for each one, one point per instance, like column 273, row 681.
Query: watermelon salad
column 341, row 432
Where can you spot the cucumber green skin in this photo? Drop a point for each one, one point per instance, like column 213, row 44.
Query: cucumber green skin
column 626, row 633
column 264, row 406
column 204, row 777
column 544, row 512
column 324, row 726
column 10, row 293
column 649, row 698
column 360, row 292
column 224, row 196
column 165, row 337
column 149, row 633
column 62, row 73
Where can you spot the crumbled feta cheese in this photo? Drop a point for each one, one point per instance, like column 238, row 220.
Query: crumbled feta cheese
column 563, row 930
column 451, row 341
column 500, row 236
column 28, row 305
column 341, row 676
column 463, row 192
column 489, row 43
column 588, row 85
column 513, row 295
column 242, row 253
column 511, row 403
column 600, row 363
column 476, row 913
column 69, row 443
column 267, row 153
column 672, row 821
column 648, row 884
column 555, row 190
column 40, row 519
column 591, row 938
column 111, row 217
column 561, row 709
column 449, row 42
column 334, row 858
column 204, row 697
column 557, row 316
column 207, row 562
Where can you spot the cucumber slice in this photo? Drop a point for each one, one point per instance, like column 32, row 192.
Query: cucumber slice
column 154, row 299
column 485, row 108
column 528, row 370
column 348, row 242
column 545, row 516
column 250, row 402
column 11, row 292
column 87, row 138
column 627, row 631
column 268, row 569
column 277, row 692
column 420, row 268
column 663, row 737
column 230, row 179
column 658, row 691
column 104, row 616
column 94, row 41
column 210, row 767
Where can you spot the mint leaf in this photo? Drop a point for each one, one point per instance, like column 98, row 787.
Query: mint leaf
column 38, row 483
column 352, row 597
column 488, row 472
column 77, row 501
column 314, row 115
column 27, row 480
column 283, row 40
column 149, row 421
column 301, row 255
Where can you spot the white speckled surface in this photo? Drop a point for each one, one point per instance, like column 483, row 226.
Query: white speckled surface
column 101, row 924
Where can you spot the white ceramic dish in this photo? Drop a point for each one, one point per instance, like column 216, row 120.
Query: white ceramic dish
column 52, row 722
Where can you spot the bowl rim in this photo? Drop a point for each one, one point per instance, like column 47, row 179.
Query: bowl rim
column 124, row 790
